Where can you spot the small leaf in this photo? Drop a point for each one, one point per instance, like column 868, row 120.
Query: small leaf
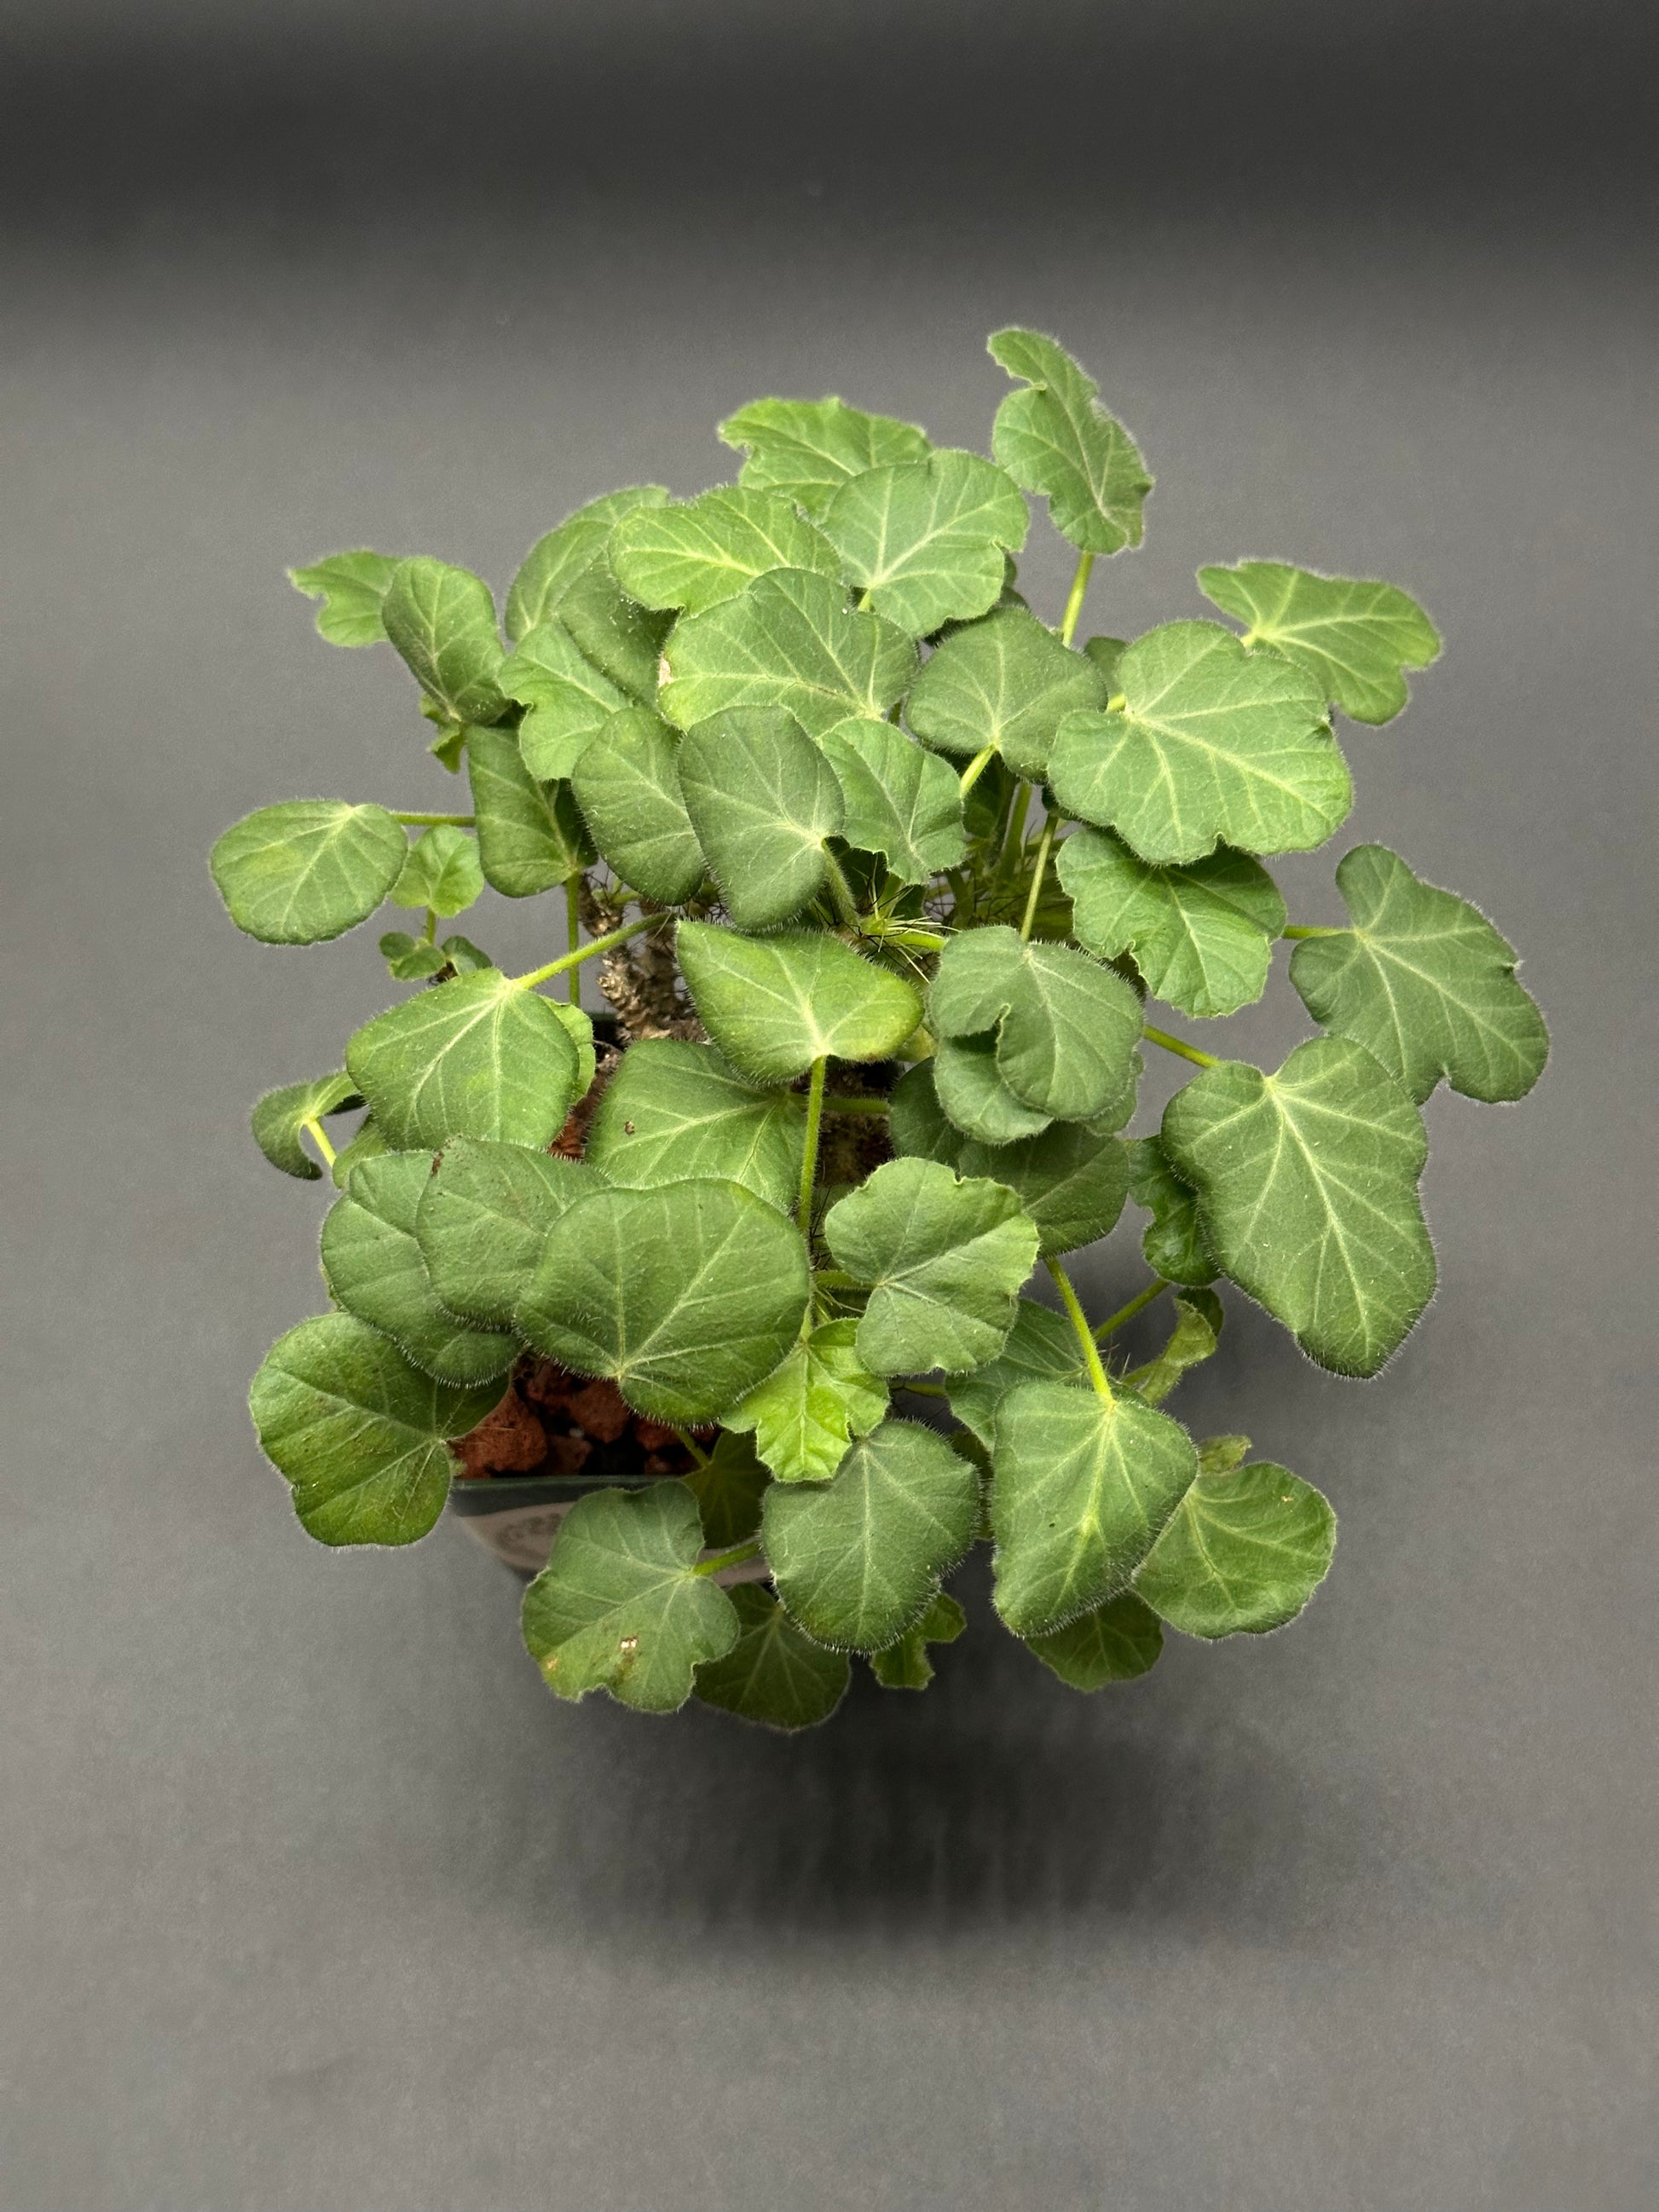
column 1041, row 1345
column 806, row 1412
column 441, row 872
column 1071, row 1182
column 555, row 563
column 1113, row 1643
column 279, row 1116
column 1106, row 653
column 762, row 800
column 926, row 540
column 308, row 869
column 901, row 802
column 1173, row 1245
column 1424, row 982
column 485, row 1211
column 905, row 1665
column 1066, row 1026
column 1006, row 682
column 367, row 1145
column 728, row 1488
column 360, row 1433
column 1243, row 1553
column 775, row 1674
column 351, row 586
column 449, row 749
column 1057, row 439
column 373, row 1267
column 789, row 640
column 674, row 1109
column 944, row 1259
column 1356, row 638
column 569, row 701
column 620, row 1606
column 1221, row 1455
column 477, row 1057
column 464, row 956
column 442, row 622
column 917, row 1121
column 808, row 449
column 411, row 959
column 627, row 783
column 858, row 1561
column 1082, row 1488
column 774, row 1005
column 1198, row 1316
column 972, row 1094
column 685, row 1296
column 692, row 556
column 531, row 835
column 1212, row 743
column 1307, row 1188
column 1202, row 936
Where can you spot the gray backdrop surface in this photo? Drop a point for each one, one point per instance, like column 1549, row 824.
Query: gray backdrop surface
column 313, row 1897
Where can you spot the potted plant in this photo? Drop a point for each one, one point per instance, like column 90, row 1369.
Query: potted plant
column 881, row 874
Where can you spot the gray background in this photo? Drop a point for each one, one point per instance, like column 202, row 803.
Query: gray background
column 314, row 1899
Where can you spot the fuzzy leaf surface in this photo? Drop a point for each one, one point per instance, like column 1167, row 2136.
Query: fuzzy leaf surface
column 567, row 552
column 901, row 802
column 763, row 799
column 483, row 1216
column 1066, row 1026
column 1070, row 1180
column 917, row 1121
column 1172, row 1243
column 361, row 1433
column 789, row 640
column 690, row 557
column 1041, row 1346
column 774, row 1005
column 1202, row 935
column 308, row 869
column 1307, row 1188
column 858, row 1561
column 531, row 835
column 1424, row 982
column 807, row 1411
column 905, row 1665
column 441, row 872
column 478, row 1057
column 1116, row 1641
column 674, row 1109
column 351, row 586
column 280, row 1114
column 1212, row 743
column 925, row 540
column 1242, row 1553
column 1055, row 438
column 972, row 1094
column 728, row 1488
column 367, row 1144
column 620, row 1606
column 614, row 634
column 775, row 1674
column 569, row 702
column 1007, row 682
column 1356, row 638
column 442, row 620
column 1197, row 1331
column 627, row 782
column 806, row 449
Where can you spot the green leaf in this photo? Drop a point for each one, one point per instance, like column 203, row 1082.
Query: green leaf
column 901, row 802
column 728, row 1488
column 775, row 1674
column 361, row 1433
column 621, row 639
column 308, row 869
column 367, row 1144
column 686, row 1295
column 926, row 540
column 1173, row 1244
column 789, row 640
column 620, row 1605
column 1199, row 1318
column 1355, row 637
column 1041, row 1345
column 1066, row 1026
column 858, row 1561
column 556, row 561
column 1221, row 1455
column 905, row 1665
column 692, row 556
column 1112, row 1643
column 917, row 1121
column 972, row 1094
column 762, row 800
column 1070, row 1181
column 674, row 1109
column 1006, row 682
column 485, row 1211
column 627, row 783
column 1106, row 653
column 944, row 1259
column 442, row 622
column 279, row 1116
column 569, row 702
column 531, row 835
column 1082, row 1488
column 1307, row 1190
column 1057, row 439
column 351, row 586
column 1424, row 981
column 478, row 1057
column 1202, row 936
column 464, row 956
column 807, row 448
column 1243, row 1553
column 450, row 746
column 806, row 1412
column 774, row 1005
column 1212, row 743
column 441, row 872
column 411, row 959
column 373, row 1267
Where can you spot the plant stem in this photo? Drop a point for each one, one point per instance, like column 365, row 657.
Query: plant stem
column 594, row 946
column 734, row 1557
column 832, row 1278
column 313, row 1126
column 1085, row 562
column 843, row 1101
column 692, row 1446
column 1115, row 1322
column 435, row 821
column 976, row 767
column 1174, row 1044
column 1307, row 929
column 1037, row 874
column 808, row 1159
column 925, row 1389
column 841, row 893
column 919, row 940
column 1079, row 1322
column 573, row 914
column 432, row 925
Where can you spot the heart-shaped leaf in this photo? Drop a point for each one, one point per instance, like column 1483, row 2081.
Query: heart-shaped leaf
column 483, row 1213
column 775, row 1674
column 690, row 557
column 1201, row 935
column 762, row 800
column 1356, row 638
column 807, row 448
column 1057, row 439
column 1173, row 1243
column 674, row 1109
column 531, row 835
column 1041, row 1345
column 351, row 586
column 569, row 702
column 1242, row 1553
column 774, row 1005
column 478, row 1057
column 1116, row 1642
column 900, row 802
column 442, row 622
column 1071, row 1182
column 1066, row 1026
column 555, row 562
column 280, row 1116
column 807, row 1411
column 789, row 640
column 1006, row 682
column 926, row 540
column 308, row 869
column 441, row 872
column 627, row 783
column 905, row 1665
